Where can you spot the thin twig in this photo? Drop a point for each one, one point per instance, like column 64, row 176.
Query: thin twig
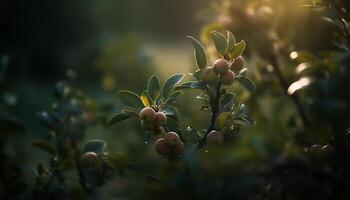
column 295, row 99
column 215, row 111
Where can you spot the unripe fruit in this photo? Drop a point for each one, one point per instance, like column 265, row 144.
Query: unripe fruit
column 215, row 137
column 209, row 76
column 220, row 66
column 162, row 147
column 147, row 125
column 172, row 138
column 179, row 148
column 147, row 114
column 238, row 64
column 159, row 119
column 90, row 160
column 227, row 78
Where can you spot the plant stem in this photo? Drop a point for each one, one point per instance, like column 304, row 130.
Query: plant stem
column 215, row 110
column 82, row 180
column 295, row 99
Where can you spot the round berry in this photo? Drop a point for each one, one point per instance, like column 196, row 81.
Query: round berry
column 227, row 78
column 172, row 138
column 215, row 137
column 162, row 147
column 90, row 160
column 220, row 66
column 179, row 148
column 159, row 119
column 147, row 114
column 209, row 76
column 238, row 64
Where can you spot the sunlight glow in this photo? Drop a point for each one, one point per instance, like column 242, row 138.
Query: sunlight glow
column 301, row 83
column 301, row 67
column 293, row 55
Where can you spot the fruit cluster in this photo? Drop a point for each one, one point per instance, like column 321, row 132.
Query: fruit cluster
column 152, row 120
column 170, row 145
column 222, row 71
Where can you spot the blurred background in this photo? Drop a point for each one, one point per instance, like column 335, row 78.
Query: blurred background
column 118, row 44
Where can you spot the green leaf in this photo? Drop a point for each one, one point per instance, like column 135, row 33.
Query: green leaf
column 191, row 85
column 220, row 122
column 130, row 99
column 237, row 50
column 131, row 113
column 197, row 74
column 96, row 146
column 170, row 83
column 153, row 87
column 170, row 111
column 173, row 125
column 174, row 96
column 200, row 55
column 231, row 41
column 45, row 146
column 118, row 118
column 243, row 71
column 220, row 42
column 247, row 83
column 226, row 99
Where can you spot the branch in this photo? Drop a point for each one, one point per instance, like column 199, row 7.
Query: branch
column 215, row 112
column 295, row 99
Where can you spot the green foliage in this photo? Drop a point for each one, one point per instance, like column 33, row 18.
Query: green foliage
column 118, row 118
column 153, row 88
column 220, row 42
column 169, row 84
column 200, row 55
column 237, row 49
column 130, row 99
column 248, row 84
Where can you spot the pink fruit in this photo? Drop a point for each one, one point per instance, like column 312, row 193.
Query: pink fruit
column 238, row 64
column 147, row 114
column 179, row 148
column 162, row 147
column 159, row 119
column 220, row 66
column 215, row 137
column 171, row 138
column 227, row 78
